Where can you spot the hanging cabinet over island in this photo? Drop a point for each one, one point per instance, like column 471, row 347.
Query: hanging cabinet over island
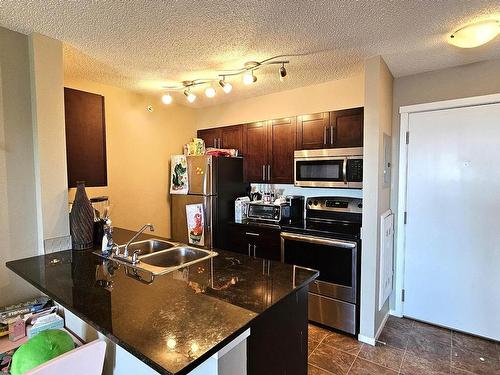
column 268, row 146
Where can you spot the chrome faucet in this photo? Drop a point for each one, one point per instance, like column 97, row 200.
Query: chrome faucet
column 151, row 228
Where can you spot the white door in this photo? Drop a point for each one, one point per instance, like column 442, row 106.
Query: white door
column 452, row 258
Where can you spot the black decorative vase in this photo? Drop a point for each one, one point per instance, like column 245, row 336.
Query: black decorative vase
column 81, row 219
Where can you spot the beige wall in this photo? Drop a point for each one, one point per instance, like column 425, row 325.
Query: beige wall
column 476, row 79
column 49, row 141
column 18, row 226
column 376, row 197
column 139, row 145
column 344, row 93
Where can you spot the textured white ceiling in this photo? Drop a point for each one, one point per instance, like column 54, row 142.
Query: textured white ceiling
column 142, row 45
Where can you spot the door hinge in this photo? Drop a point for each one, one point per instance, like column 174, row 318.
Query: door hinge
column 405, row 217
column 403, row 295
column 407, row 137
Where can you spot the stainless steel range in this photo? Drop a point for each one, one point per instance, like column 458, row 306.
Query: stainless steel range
column 329, row 241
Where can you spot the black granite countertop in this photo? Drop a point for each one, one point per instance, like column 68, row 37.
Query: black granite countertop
column 178, row 321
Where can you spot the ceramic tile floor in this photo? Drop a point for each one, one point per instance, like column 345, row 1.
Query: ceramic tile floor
column 411, row 348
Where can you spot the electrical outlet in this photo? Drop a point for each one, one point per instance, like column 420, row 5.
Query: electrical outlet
column 52, row 245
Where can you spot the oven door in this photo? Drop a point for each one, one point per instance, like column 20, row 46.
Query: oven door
column 336, row 261
column 320, row 171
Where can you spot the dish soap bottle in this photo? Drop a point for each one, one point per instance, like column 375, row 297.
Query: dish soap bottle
column 107, row 238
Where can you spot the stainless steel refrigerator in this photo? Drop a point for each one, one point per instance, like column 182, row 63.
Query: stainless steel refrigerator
column 214, row 182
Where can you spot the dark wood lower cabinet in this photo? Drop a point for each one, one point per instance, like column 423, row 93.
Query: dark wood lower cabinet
column 256, row 241
column 277, row 344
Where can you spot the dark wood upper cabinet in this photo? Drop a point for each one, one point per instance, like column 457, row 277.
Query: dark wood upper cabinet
column 210, row 136
column 347, row 128
column 232, row 137
column 85, row 138
column 313, row 131
column 282, row 141
column 255, row 149
column 223, row 137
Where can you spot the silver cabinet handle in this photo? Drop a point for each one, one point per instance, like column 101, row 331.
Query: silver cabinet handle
column 220, row 143
column 252, row 234
column 331, row 134
column 254, row 248
column 215, row 142
column 263, row 172
column 249, row 247
column 324, row 136
column 269, row 172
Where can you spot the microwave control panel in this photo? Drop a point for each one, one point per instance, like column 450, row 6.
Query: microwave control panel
column 355, row 170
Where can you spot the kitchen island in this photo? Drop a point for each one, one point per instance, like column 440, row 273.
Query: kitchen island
column 182, row 320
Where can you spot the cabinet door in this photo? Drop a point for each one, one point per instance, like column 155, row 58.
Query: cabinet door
column 268, row 244
column 232, row 137
column 282, row 143
column 347, row 127
column 210, row 136
column 255, row 150
column 237, row 241
column 313, row 131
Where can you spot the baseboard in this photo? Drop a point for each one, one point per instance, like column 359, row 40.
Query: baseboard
column 367, row 340
column 395, row 313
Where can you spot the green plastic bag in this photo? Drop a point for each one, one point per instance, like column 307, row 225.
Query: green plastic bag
column 40, row 349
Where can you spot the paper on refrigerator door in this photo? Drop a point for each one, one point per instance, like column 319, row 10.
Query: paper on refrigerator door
column 195, row 224
column 179, row 183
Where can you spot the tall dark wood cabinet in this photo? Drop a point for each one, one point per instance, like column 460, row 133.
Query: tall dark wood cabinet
column 255, row 149
column 347, row 128
column 85, row 138
column 313, row 131
column 257, row 241
column 282, row 140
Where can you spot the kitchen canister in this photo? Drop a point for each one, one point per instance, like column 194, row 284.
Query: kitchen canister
column 81, row 219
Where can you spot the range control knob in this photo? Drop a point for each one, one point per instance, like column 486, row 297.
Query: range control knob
column 360, row 205
column 309, row 203
column 315, row 203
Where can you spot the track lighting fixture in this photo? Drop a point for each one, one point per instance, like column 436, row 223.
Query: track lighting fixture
column 226, row 86
column 210, row 92
column 248, row 72
column 282, row 72
column 190, row 96
column 167, row 99
column 249, row 78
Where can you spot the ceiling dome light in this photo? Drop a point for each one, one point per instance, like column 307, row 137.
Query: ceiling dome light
column 190, row 96
column 476, row 34
column 226, row 86
column 167, row 99
column 249, row 78
column 210, row 92
column 282, row 73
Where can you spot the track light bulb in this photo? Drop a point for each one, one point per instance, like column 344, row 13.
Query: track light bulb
column 190, row 96
column 210, row 92
column 282, row 73
column 226, row 86
column 249, row 78
column 167, row 99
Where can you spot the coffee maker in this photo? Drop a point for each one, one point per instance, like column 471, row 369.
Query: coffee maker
column 297, row 208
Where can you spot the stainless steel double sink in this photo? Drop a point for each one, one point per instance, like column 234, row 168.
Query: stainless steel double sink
column 160, row 257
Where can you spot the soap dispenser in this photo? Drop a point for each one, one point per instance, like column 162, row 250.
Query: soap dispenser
column 107, row 239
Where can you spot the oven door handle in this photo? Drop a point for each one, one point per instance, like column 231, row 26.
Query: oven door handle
column 318, row 240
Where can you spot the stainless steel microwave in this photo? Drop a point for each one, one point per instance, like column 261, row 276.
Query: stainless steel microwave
column 334, row 167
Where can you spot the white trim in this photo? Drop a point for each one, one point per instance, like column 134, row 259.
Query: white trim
column 405, row 112
column 454, row 103
column 367, row 340
column 394, row 313
column 382, row 325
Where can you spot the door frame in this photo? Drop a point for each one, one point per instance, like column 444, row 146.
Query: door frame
column 405, row 112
